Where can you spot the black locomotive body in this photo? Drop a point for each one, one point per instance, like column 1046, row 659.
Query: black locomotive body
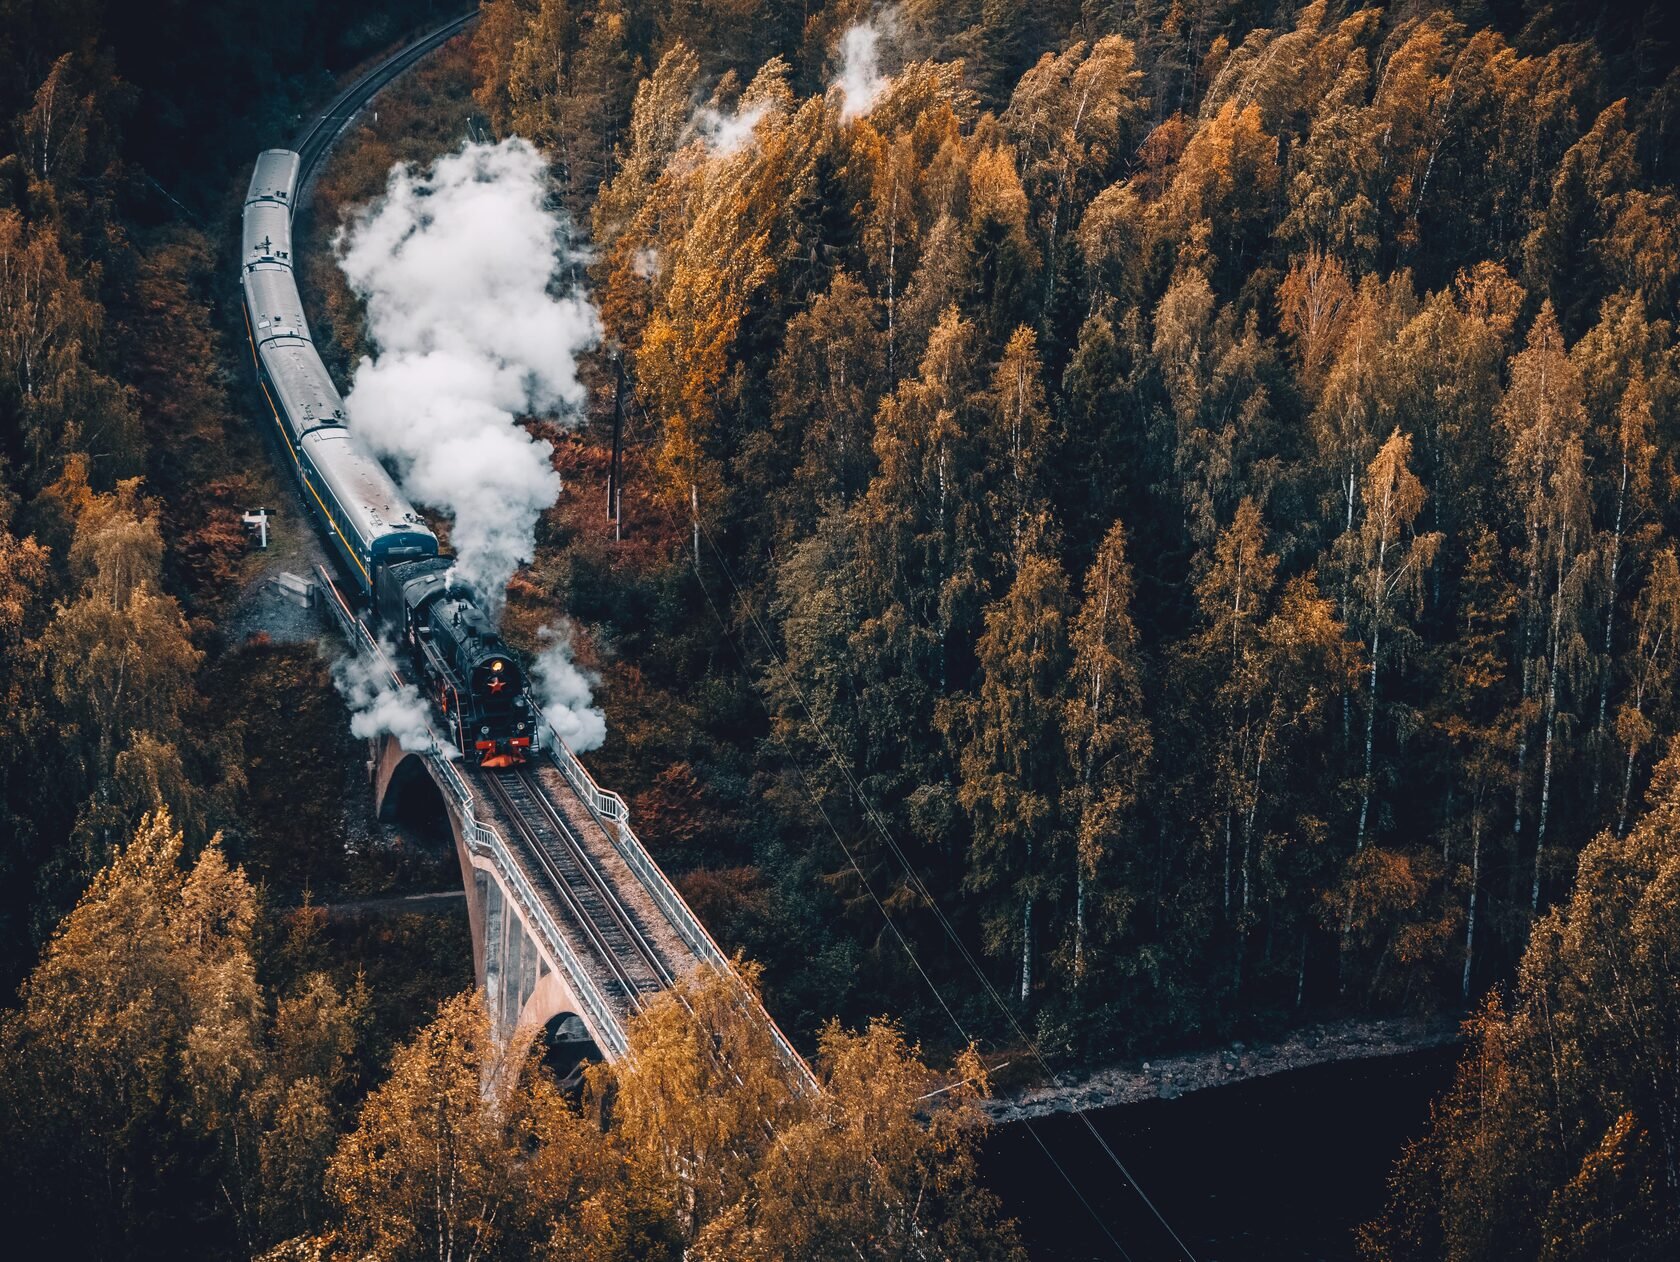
column 473, row 678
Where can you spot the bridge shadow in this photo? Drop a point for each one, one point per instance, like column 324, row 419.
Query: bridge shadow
column 414, row 804
column 567, row 1050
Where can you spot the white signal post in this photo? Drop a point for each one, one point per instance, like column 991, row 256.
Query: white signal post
column 258, row 521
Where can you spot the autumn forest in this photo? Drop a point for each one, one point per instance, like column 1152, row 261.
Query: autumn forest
column 1142, row 523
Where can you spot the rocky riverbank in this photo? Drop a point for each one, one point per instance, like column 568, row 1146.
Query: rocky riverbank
column 1168, row 1077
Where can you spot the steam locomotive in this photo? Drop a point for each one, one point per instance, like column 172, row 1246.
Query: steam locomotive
column 389, row 554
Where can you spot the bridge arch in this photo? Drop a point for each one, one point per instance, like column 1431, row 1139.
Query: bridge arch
column 567, row 1047
column 525, row 989
column 403, row 786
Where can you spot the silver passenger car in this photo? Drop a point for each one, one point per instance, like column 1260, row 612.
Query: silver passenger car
column 368, row 518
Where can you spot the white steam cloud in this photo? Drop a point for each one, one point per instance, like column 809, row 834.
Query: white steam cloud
column 861, row 81
column 563, row 691
column 379, row 707
column 458, row 268
column 727, row 133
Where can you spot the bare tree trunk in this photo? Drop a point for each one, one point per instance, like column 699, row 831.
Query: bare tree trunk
column 892, row 278
column 1370, row 736
column 1026, row 950
column 1227, row 881
column 1609, row 634
column 1079, row 921
column 1301, row 973
column 1551, row 728
column 1627, row 788
column 1470, row 912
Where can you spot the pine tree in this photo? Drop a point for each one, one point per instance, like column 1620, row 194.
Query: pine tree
column 1109, row 745
column 1011, row 761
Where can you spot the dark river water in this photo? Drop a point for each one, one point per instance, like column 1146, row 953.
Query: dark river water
column 1281, row 1169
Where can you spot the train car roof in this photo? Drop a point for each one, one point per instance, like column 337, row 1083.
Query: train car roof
column 267, row 234
column 307, row 394
column 275, row 177
column 271, row 298
column 364, row 491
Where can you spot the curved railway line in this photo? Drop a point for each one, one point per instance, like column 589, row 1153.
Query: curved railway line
column 632, row 967
column 627, row 964
column 315, row 138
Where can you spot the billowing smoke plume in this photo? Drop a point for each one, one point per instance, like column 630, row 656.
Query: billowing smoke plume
column 563, row 691
column 861, row 81
column 378, row 707
column 458, row 268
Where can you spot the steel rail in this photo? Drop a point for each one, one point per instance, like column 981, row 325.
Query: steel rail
column 598, row 929
column 312, row 143
column 592, row 870
column 317, row 136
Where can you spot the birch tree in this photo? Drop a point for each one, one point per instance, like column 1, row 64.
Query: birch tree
column 1385, row 559
column 1650, row 666
column 1351, row 416
column 1019, row 443
column 1233, row 599
column 1072, row 117
column 1630, row 530
column 1541, row 420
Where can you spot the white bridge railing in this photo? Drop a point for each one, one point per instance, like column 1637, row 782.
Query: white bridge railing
column 614, row 817
column 488, row 843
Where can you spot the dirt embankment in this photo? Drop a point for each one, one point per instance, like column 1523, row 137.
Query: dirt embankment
column 1167, row 1078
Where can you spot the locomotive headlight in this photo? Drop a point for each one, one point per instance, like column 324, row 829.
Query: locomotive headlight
column 485, row 730
column 495, row 666
column 521, row 727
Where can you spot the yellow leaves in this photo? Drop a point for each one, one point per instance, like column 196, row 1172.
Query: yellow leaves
column 996, row 195
column 143, row 1037
column 1490, row 296
column 1069, row 114
column 1313, row 301
column 23, row 574
column 1393, row 558
column 699, row 1101
column 1387, row 904
column 1542, row 418
column 1112, row 228
column 701, row 239
column 879, row 1161
column 1224, row 182
column 434, row 1162
column 500, row 25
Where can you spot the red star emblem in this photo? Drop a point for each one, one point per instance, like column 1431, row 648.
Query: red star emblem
column 497, row 683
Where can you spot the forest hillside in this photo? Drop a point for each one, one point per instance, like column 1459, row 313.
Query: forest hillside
column 1174, row 503
column 1142, row 522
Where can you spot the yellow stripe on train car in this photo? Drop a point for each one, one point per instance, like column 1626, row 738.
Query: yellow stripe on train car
column 302, row 476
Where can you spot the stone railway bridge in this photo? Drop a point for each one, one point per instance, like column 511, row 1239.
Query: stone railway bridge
column 574, row 926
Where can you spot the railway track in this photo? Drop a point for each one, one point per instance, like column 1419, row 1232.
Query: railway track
column 316, row 137
column 635, row 966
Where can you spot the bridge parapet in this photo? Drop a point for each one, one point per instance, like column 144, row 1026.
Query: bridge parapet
column 488, row 843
